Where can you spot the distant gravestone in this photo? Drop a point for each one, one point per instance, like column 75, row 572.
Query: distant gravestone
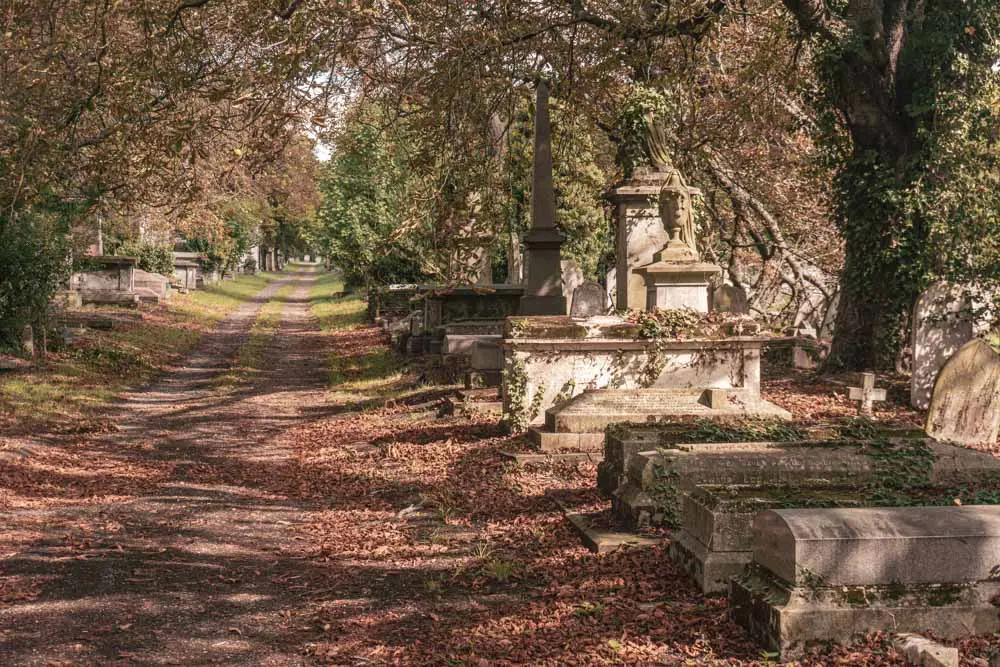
column 572, row 278
column 941, row 325
column 730, row 299
column 28, row 341
column 588, row 300
column 829, row 318
column 965, row 407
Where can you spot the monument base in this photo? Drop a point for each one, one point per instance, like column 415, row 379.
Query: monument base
column 542, row 305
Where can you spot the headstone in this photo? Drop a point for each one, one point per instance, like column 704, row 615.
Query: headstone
column 28, row 341
column 730, row 299
column 543, row 293
column 572, row 277
column 942, row 324
column 588, row 301
column 830, row 318
column 867, row 394
column 821, row 575
column 965, row 407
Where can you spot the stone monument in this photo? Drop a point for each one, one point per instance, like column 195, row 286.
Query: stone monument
column 543, row 288
column 677, row 278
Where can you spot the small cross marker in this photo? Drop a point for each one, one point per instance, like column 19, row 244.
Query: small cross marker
column 867, row 394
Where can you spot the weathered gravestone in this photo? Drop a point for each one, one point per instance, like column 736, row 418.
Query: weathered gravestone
column 830, row 318
column 588, row 301
column 572, row 278
column 942, row 323
column 730, row 299
column 821, row 575
column 965, row 408
column 28, row 341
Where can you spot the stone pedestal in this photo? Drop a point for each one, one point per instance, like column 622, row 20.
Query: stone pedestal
column 678, row 285
column 543, row 292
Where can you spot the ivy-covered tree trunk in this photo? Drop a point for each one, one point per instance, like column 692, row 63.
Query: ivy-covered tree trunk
column 891, row 71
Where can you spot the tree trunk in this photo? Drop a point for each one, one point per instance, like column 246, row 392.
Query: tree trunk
column 885, row 241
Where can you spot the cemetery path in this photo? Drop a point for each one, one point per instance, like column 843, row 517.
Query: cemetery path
column 274, row 520
column 198, row 566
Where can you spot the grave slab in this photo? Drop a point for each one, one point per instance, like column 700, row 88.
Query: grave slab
column 834, row 574
column 648, row 486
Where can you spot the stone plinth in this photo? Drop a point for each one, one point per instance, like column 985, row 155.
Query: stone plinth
column 157, row 285
column 391, row 306
column 822, row 575
column 460, row 338
column 186, row 274
column 446, row 305
column 111, row 281
column 543, row 289
column 672, row 285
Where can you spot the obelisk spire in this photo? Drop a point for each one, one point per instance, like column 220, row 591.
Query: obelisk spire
column 543, row 289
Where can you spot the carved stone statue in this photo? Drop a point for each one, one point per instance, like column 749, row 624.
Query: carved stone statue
column 677, row 213
column 657, row 149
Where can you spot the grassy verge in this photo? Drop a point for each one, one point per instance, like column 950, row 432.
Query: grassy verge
column 98, row 365
column 334, row 309
column 362, row 365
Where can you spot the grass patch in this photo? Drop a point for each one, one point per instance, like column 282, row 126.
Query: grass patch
column 363, row 366
column 215, row 302
column 333, row 308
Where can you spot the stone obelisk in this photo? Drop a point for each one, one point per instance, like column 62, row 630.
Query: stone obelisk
column 543, row 287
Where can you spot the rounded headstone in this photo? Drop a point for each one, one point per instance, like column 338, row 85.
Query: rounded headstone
column 965, row 407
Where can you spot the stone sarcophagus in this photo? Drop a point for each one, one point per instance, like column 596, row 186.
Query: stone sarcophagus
column 821, row 575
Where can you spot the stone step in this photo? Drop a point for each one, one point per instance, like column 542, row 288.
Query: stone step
column 595, row 410
column 464, row 401
column 547, row 441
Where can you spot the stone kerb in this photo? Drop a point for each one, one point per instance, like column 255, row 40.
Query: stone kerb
column 834, row 574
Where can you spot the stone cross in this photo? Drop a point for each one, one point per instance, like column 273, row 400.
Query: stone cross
column 867, row 394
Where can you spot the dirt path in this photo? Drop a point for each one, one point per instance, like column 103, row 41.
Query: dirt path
column 198, row 566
